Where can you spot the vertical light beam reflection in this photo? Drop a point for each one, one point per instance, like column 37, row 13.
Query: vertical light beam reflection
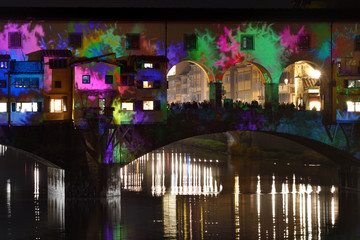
column 309, row 213
column 8, row 205
column 36, row 199
column 8, row 197
column 273, row 192
column 258, row 192
column 236, row 207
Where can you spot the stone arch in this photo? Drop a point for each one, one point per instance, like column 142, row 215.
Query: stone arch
column 266, row 87
column 303, row 82
column 200, row 95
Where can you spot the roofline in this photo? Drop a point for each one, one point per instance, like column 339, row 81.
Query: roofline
column 188, row 14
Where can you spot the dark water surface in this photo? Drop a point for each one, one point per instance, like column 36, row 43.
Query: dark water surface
column 180, row 192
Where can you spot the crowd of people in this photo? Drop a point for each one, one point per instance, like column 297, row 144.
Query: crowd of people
column 232, row 105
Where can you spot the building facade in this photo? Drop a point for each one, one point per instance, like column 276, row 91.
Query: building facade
column 330, row 47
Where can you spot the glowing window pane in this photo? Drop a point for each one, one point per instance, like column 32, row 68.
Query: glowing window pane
column 56, row 105
column 26, row 107
column 172, row 71
column 148, row 84
column 357, row 106
column 148, row 105
column 148, row 65
column 18, row 107
column 34, row 106
column 128, row 106
column 3, row 107
column 350, row 106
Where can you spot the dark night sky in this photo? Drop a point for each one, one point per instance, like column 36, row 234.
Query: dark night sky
column 150, row 3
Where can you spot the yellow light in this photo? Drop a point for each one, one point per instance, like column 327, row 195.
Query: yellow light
column 56, row 105
column 315, row 104
column 315, row 73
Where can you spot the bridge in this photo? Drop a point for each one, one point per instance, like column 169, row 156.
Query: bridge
column 89, row 155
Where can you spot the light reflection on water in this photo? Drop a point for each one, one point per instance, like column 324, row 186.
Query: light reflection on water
column 194, row 205
column 174, row 194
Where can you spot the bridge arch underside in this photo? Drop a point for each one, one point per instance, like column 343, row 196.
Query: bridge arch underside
column 302, row 83
column 336, row 156
column 189, row 81
column 247, row 82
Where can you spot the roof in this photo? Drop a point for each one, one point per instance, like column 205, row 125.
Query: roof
column 148, row 58
column 56, row 53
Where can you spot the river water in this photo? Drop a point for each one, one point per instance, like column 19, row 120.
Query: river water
column 183, row 192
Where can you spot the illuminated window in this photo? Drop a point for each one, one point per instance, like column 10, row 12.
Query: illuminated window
column 102, row 105
column 148, row 105
column 247, row 42
column 172, row 71
column 109, row 79
column 148, row 65
column 353, row 106
column 313, row 90
column 132, row 41
column 127, row 106
column 25, row 107
column 2, row 83
column 57, row 63
column 86, row 79
column 148, row 84
column 57, row 84
column 3, row 107
column 357, row 43
column 304, row 42
column 75, row 40
column 352, row 83
column 18, row 82
column 56, row 105
column 3, row 64
column 14, row 40
column 26, row 82
column 189, row 41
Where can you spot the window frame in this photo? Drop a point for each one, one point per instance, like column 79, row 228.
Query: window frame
column 87, row 81
column 247, row 37
column 132, row 41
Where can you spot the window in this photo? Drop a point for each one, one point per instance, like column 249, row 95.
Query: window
column 14, row 40
column 3, row 64
column 26, row 82
column 190, row 41
column 25, row 107
column 75, row 40
column 2, row 83
column 57, row 84
column 352, row 83
column 148, row 105
column 357, row 43
column 353, row 106
column 109, row 79
column 247, row 42
column 86, row 79
column 148, row 65
column 304, row 42
column 132, row 41
column 102, row 105
column 57, row 63
column 148, row 84
column 127, row 106
column 34, row 82
column 56, row 105
column 3, row 107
